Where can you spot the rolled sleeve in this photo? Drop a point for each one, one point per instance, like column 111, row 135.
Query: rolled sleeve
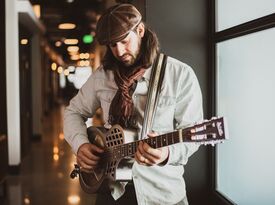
column 81, row 107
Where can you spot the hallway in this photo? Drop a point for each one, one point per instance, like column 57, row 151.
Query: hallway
column 45, row 172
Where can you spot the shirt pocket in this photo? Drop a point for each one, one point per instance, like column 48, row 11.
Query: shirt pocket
column 164, row 116
column 106, row 98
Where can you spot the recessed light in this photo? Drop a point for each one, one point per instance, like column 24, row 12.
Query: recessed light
column 37, row 10
column 74, row 57
column 73, row 48
column 71, row 41
column 24, row 41
column 58, row 43
column 66, row 26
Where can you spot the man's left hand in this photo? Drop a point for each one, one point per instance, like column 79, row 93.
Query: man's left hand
column 149, row 156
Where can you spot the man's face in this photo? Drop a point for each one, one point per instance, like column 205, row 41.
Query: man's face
column 127, row 50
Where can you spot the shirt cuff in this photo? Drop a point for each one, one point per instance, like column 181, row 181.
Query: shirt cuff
column 179, row 153
column 78, row 141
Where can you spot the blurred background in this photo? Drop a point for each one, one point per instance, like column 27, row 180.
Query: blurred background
column 49, row 49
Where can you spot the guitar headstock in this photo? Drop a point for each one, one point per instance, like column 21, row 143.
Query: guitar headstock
column 211, row 131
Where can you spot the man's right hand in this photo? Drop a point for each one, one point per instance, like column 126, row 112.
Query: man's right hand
column 88, row 156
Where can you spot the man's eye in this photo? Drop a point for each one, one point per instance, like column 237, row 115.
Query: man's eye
column 113, row 45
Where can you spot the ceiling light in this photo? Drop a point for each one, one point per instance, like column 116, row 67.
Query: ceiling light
column 58, row 43
column 73, row 53
column 71, row 41
column 73, row 48
column 81, row 63
column 74, row 57
column 24, row 41
column 71, row 68
column 66, row 26
column 66, row 72
column 84, row 63
column 87, row 55
column 37, row 10
column 60, row 69
column 84, row 55
column 54, row 66
column 55, row 150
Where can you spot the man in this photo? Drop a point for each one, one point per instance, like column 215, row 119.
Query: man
column 120, row 88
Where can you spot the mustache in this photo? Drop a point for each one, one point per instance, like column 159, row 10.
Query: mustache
column 125, row 55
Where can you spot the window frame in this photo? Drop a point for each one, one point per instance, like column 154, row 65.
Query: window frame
column 215, row 37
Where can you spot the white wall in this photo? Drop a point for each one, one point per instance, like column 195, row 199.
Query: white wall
column 12, row 80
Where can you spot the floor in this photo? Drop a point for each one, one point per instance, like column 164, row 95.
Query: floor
column 45, row 172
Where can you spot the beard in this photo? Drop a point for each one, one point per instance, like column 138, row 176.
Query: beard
column 129, row 59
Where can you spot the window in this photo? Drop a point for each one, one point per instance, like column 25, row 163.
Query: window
column 235, row 12
column 244, row 69
column 246, row 82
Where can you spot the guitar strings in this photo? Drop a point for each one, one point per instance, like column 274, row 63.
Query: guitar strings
column 122, row 150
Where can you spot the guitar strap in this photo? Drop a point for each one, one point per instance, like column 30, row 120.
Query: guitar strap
column 157, row 75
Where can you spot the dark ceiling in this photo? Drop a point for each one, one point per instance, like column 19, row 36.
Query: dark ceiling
column 83, row 13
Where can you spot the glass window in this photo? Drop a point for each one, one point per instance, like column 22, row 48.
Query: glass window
column 246, row 96
column 234, row 12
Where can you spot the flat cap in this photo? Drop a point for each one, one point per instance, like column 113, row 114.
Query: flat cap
column 116, row 23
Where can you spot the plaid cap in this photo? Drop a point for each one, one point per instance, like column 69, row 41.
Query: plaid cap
column 116, row 23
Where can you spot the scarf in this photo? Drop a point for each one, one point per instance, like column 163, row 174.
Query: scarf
column 122, row 106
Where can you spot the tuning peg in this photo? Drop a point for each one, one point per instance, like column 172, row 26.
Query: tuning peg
column 75, row 172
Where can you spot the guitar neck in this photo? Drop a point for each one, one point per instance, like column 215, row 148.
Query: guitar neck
column 208, row 132
column 129, row 149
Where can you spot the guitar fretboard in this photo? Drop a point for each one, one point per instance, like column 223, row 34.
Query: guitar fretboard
column 129, row 149
column 208, row 132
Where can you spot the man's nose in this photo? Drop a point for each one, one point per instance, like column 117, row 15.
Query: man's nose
column 120, row 49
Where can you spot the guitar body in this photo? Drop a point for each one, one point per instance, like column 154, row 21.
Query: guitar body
column 98, row 180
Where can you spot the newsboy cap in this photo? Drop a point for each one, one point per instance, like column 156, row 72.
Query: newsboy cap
column 116, row 23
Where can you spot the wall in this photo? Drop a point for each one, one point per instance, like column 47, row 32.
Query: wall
column 12, row 83
column 181, row 26
column 3, row 108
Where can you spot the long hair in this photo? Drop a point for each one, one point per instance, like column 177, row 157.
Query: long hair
column 148, row 52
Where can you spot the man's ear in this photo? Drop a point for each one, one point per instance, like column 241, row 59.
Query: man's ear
column 141, row 29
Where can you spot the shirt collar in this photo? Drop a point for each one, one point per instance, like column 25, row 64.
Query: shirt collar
column 146, row 76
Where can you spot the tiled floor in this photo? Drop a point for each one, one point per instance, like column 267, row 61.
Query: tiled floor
column 45, row 173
